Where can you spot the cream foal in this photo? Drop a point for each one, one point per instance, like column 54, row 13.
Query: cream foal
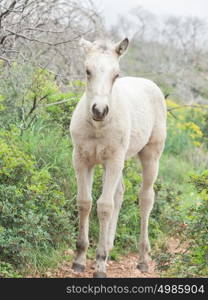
column 116, row 118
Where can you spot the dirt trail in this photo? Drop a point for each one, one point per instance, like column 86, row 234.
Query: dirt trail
column 124, row 268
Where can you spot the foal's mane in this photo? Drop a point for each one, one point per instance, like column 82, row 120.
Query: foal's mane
column 103, row 45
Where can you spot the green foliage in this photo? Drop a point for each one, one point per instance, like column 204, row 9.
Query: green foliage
column 53, row 150
column 61, row 114
column 192, row 228
column 185, row 129
column 204, row 126
column 34, row 213
column 8, row 271
column 197, row 226
column 28, row 93
column 14, row 85
column 127, row 236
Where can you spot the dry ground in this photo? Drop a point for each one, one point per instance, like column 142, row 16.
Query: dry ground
column 124, row 268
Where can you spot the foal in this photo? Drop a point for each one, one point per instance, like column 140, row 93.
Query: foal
column 116, row 118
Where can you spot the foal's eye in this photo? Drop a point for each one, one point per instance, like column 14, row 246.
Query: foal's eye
column 88, row 72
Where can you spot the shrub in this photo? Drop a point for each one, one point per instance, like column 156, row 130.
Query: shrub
column 197, row 226
column 8, row 271
column 193, row 233
column 34, row 213
column 27, row 93
column 184, row 129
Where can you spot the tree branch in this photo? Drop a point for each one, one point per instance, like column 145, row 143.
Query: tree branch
column 59, row 102
column 6, row 60
column 41, row 42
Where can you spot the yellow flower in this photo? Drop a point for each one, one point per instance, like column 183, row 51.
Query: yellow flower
column 197, row 143
column 194, row 128
column 171, row 103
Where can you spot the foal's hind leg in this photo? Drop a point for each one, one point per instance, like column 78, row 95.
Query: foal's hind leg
column 149, row 157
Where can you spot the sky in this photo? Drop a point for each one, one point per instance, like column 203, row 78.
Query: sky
column 112, row 8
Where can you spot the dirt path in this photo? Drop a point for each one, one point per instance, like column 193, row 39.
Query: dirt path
column 124, row 268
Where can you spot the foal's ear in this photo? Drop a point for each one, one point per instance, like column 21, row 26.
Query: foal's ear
column 86, row 45
column 122, row 46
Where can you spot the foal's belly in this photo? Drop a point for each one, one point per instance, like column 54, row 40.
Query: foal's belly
column 137, row 143
column 139, row 137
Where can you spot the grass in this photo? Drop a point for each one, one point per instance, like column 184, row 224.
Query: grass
column 175, row 171
column 50, row 260
column 54, row 151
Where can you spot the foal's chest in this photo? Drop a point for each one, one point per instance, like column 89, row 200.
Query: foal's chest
column 97, row 148
column 94, row 152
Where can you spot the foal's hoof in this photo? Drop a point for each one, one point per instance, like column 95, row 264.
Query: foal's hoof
column 99, row 275
column 78, row 268
column 143, row 267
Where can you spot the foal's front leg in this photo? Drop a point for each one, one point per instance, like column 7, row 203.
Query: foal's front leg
column 84, row 175
column 118, row 199
column 105, row 206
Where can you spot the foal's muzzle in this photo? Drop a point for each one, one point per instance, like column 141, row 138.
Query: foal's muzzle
column 97, row 114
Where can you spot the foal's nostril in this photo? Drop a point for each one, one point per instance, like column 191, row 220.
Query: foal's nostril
column 96, row 111
column 99, row 115
column 106, row 110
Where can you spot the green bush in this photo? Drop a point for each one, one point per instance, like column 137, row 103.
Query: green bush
column 197, row 226
column 184, row 129
column 8, row 271
column 34, row 213
column 14, row 84
column 192, row 229
column 27, row 94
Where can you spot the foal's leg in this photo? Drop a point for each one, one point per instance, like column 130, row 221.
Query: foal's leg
column 149, row 157
column 84, row 203
column 105, row 206
column 118, row 199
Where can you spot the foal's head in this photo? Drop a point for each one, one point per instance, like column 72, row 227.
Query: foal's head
column 102, row 69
